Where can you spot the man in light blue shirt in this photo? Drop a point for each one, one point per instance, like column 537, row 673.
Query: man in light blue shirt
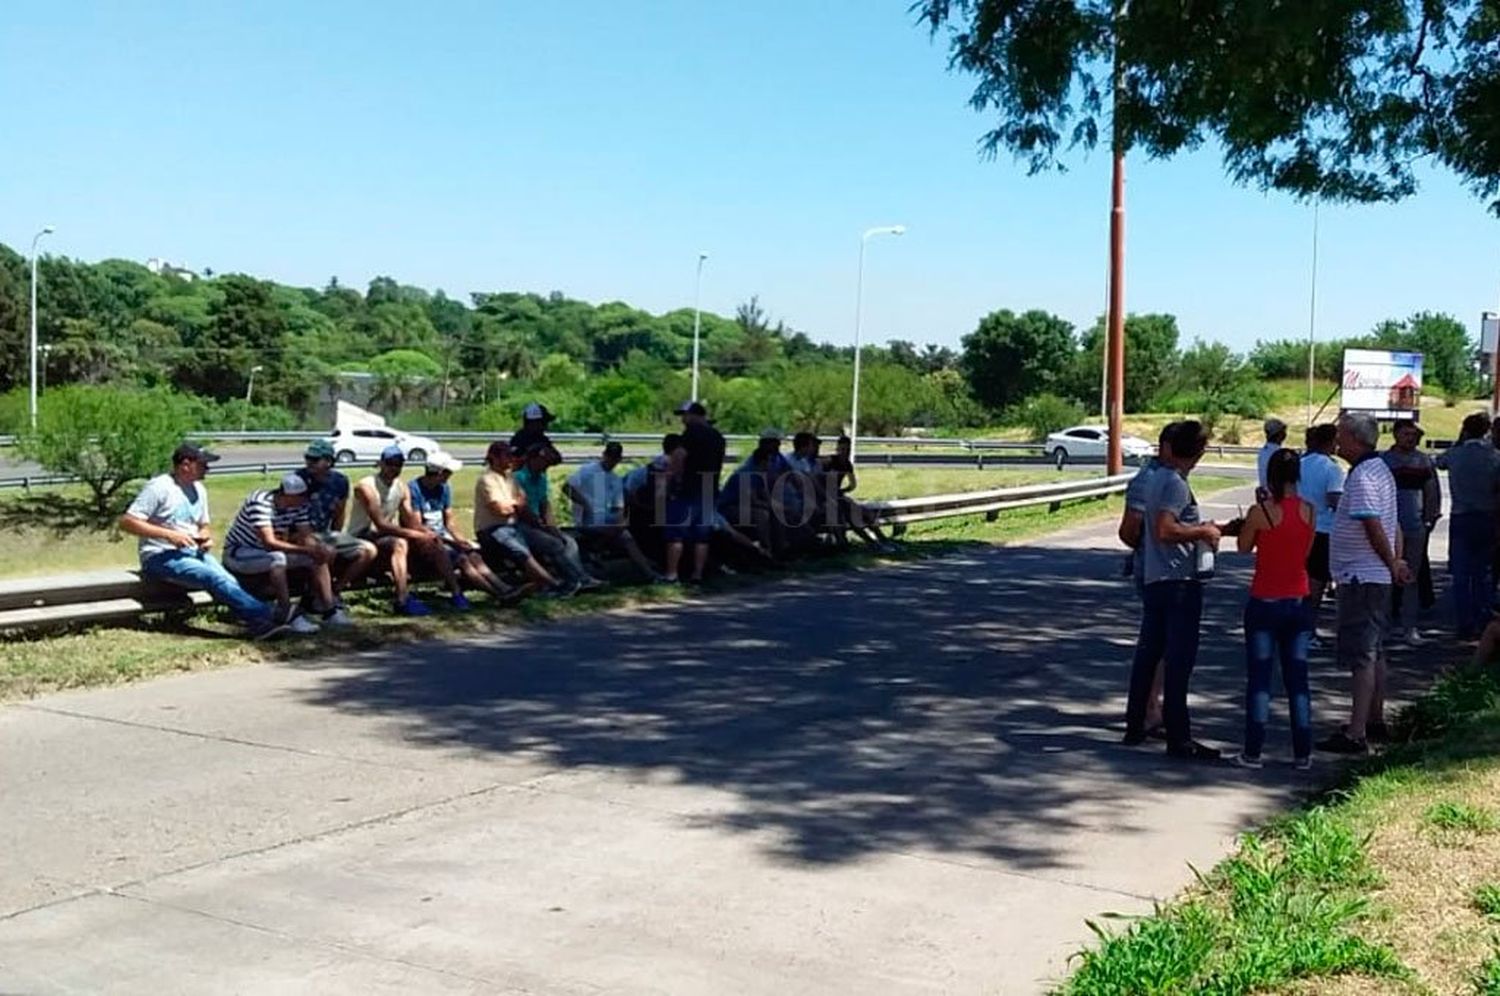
column 1322, row 483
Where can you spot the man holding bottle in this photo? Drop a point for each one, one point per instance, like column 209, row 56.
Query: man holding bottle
column 1178, row 551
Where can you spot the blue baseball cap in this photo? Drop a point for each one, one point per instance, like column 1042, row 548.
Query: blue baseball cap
column 392, row 454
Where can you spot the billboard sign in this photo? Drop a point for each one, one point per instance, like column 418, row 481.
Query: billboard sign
column 1382, row 383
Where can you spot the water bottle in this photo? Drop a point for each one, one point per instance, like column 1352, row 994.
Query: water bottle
column 1203, row 560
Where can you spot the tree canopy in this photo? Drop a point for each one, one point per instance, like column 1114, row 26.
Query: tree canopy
column 1335, row 98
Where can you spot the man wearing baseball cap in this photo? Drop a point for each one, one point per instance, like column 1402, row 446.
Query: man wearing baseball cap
column 327, row 511
column 431, row 498
column 170, row 516
column 534, row 421
column 692, row 491
column 1275, row 440
column 382, row 514
column 272, row 536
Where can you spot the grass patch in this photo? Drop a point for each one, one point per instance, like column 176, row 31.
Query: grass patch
column 1361, row 891
column 1286, row 907
column 1486, row 899
column 1458, row 817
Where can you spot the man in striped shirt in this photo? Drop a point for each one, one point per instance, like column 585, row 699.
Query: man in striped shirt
column 1364, row 557
column 272, row 535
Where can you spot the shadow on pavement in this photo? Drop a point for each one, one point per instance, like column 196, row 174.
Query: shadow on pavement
column 970, row 704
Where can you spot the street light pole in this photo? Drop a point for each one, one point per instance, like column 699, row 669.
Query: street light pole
column 697, row 319
column 46, row 230
column 249, row 391
column 859, row 298
column 1312, row 317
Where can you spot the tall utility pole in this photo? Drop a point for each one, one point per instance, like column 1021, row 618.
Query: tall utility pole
column 697, row 319
column 33, row 351
column 1114, row 350
column 1312, row 318
column 859, row 300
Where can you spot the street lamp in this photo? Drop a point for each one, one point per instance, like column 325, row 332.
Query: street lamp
column 46, row 230
column 859, row 297
column 697, row 319
column 249, row 390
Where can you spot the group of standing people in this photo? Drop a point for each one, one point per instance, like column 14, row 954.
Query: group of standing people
column 1313, row 524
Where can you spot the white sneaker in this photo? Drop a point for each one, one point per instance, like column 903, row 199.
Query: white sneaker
column 338, row 618
column 302, row 625
column 1413, row 637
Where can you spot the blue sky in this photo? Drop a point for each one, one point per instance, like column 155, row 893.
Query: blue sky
column 595, row 147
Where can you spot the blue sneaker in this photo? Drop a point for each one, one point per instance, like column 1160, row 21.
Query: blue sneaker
column 460, row 603
column 412, row 607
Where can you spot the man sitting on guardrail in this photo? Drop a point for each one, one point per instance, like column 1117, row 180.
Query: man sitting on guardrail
column 327, row 510
column 496, row 501
column 598, row 496
column 432, row 508
column 272, row 536
column 841, row 481
column 538, row 525
column 170, row 516
column 381, row 507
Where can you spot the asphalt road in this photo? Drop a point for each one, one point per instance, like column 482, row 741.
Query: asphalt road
column 897, row 780
column 272, row 453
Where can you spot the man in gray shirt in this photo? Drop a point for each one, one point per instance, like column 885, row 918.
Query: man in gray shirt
column 1132, row 525
column 1473, row 468
column 1173, row 601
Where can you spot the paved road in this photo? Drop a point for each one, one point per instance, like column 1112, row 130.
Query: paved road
column 903, row 780
column 278, row 453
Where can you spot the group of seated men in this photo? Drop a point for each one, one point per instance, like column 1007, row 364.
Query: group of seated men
column 669, row 518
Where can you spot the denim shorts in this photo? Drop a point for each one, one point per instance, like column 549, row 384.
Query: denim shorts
column 689, row 519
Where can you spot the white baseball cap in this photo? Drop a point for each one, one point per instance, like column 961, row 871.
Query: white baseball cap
column 293, row 484
column 444, row 461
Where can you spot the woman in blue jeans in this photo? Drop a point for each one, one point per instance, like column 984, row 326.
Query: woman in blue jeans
column 1277, row 620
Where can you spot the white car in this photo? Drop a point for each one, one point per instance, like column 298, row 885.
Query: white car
column 1091, row 442
column 363, row 444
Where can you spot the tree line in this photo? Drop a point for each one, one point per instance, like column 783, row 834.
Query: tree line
column 441, row 362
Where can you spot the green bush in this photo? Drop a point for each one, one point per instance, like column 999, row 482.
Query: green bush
column 106, row 438
column 1047, row 413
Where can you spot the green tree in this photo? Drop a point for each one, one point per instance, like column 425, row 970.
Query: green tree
column 1341, row 99
column 404, row 378
column 1447, row 351
column 1010, row 357
column 1150, row 357
column 105, row 437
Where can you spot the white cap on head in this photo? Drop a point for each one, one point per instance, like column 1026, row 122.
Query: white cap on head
column 293, row 484
column 770, row 433
column 444, row 461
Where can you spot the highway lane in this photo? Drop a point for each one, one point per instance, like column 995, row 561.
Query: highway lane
column 287, row 453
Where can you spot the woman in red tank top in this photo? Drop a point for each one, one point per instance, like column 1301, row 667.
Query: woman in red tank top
column 1277, row 620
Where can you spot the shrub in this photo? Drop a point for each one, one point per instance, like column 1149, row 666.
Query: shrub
column 106, row 438
column 1047, row 413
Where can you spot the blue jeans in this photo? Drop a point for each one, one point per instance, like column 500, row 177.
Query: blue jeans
column 1284, row 626
column 1171, row 613
column 1471, row 547
column 197, row 571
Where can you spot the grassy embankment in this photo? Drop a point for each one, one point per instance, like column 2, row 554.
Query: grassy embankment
column 1388, row 884
column 106, row 655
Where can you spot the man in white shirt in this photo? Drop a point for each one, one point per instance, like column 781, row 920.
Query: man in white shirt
column 1275, row 440
column 598, row 497
column 170, row 518
column 1365, row 559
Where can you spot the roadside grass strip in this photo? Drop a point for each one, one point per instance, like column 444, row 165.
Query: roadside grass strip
column 1388, row 883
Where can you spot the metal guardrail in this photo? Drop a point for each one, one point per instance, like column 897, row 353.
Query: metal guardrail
column 114, row 595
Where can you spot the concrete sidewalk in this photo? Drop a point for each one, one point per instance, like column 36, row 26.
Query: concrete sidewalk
column 902, row 780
